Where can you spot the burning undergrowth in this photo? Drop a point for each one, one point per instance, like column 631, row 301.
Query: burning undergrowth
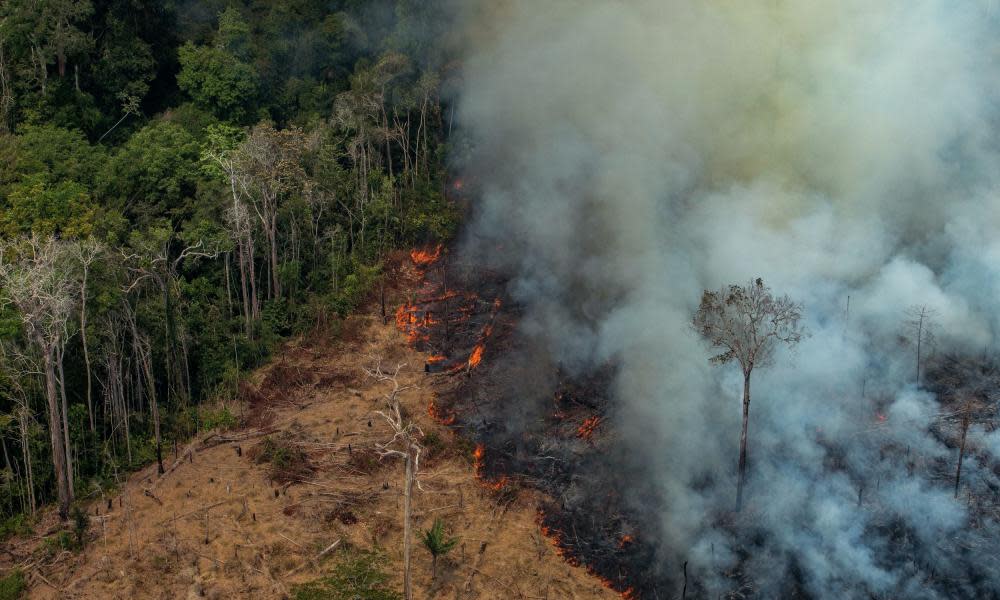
column 462, row 320
column 537, row 422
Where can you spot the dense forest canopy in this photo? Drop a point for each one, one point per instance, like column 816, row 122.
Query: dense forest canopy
column 183, row 184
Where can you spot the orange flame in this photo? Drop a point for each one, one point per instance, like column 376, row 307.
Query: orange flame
column 625, row 540
column 423, row 258
column 586, row 430
column 435, row 413
column 555, row 536
column 476, row 357
column 477, row 465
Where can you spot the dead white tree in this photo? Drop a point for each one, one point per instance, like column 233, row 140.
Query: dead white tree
column 37, row 279
column 747, row 323
column 18, row 372
column 151, row 259
column 404, row 444
column 240, row 226
column 269, row 170
column 918, row 329
column 86, row 253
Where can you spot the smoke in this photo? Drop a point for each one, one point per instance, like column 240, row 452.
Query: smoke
column 630, row 154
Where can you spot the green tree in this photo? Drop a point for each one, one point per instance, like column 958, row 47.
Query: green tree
column 437, row 543
column 57, row 153
column 154, row 175
column 747, row 324
column 218, row 81
column 234, row 34
column 33, row 205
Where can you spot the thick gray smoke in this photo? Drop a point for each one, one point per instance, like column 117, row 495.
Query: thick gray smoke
column 633, row 153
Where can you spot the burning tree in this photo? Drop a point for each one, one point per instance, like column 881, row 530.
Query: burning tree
column 747, row 323
column 403, row 444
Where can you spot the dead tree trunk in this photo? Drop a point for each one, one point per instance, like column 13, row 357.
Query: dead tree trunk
column 65, row 418
column 741, row 477
column 407, row 534
column 961, row 449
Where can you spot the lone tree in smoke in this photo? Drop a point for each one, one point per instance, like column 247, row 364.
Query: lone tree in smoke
column 919, row 330
column 969, row 385
column 747, row 323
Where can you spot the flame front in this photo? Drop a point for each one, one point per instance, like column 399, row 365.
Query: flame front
column 586, row 430
column 476, row 357
column 555, row 536
column 435, row 413
column 425, row 258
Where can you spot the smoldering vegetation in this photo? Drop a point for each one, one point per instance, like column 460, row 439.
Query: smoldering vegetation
column 623, row 157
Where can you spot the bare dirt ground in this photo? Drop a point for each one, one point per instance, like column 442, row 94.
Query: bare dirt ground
column 220, row 524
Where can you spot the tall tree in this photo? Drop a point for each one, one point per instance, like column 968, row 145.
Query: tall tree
column 36, row 277
column 404, row 444
column 747, row 323
column 269, row 161
column 87, row 252
column 918, row 328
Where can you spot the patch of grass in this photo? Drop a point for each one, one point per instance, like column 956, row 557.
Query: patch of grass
column 80, row 523
column 12, row 585
column 364, row 460
column 221, row 419
column 358, row 575
column 19, row 524
column 288, row 461
column 53, row 544
column 434, row 444
column 464, row 447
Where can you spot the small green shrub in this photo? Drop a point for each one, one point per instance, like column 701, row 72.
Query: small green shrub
column 18, row 524
column 12, row 585
column 288, row 461
column 221, row 418
column 80, row 523
column 437, row 543
column 358, row 575
column 52, row 545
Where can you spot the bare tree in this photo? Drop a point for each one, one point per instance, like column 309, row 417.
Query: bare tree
column 36, row 278
column 268, row 163
column 403, row 444
column 18, row 373
column 241, row 230
column 747, row 323
column 86, row 253
column 970, row 385
column 153, row 261
column 152, row 258
column 919, row 329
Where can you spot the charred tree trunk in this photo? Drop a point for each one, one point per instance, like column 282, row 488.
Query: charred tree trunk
column 961, row 451
column 741, row 478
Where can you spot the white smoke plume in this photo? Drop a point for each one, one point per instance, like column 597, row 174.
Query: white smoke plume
column 631, row 153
